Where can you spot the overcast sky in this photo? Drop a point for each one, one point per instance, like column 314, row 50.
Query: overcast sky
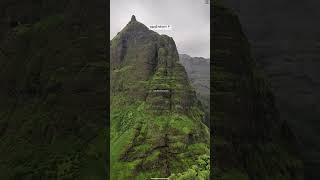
column 190, row 21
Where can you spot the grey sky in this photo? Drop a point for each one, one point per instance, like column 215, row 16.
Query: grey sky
column 190, row 20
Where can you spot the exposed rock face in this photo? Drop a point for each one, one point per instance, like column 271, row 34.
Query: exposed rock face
column 285, row 39
column 250, row 141
column 133, row 18
column 198, row 70
column 53, row 76
column 156, row 121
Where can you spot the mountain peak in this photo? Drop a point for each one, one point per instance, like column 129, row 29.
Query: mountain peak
column 133, row 18
column 145, row 71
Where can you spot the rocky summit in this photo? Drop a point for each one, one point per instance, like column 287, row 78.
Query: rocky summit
column 156, row 119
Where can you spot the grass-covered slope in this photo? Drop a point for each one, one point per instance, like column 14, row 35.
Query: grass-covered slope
column 250, row 142
column 156, row 123
column 53, row 76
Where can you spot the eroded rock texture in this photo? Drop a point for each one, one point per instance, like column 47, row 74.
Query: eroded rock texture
column 156, row 120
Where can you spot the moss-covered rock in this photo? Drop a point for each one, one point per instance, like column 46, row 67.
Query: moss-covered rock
column 156, row 123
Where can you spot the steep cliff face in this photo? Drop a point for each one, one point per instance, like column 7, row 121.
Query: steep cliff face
column 285, row 39
column 198, row 70
column 250, row 141
column 53, row 76
column 156, row 122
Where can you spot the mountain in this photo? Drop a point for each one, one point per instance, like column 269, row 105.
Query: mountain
column 285, row 39
column 250, row 141
column 198, row 70
column 156, row 119
column 53, row 76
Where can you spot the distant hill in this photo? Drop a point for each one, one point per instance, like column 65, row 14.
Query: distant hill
column 198, row 70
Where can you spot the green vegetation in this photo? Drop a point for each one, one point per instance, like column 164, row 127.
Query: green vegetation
column 201, row 170
column 53, row 101
column 49, row 22
column 138, row 139
column 156, row 124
